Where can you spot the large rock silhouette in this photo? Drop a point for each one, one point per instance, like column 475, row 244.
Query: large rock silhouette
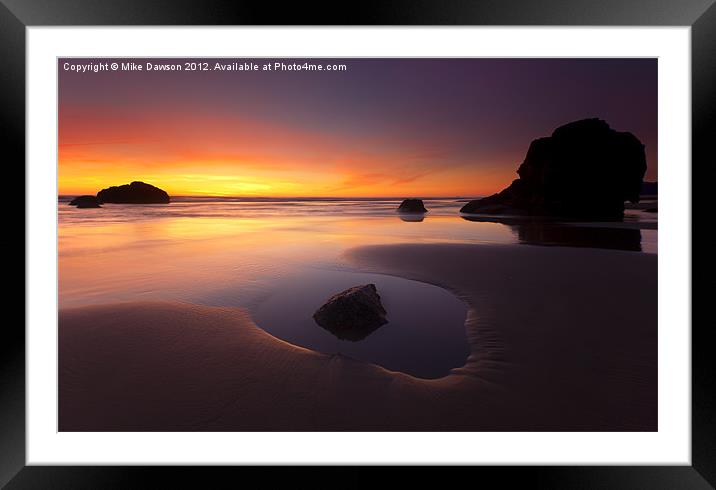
column 134, row 193
column 352, row 314
column 585, row 170
column 649, row 188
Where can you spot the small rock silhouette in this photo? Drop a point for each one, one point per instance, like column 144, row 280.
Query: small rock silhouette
column 412, row 206
column 85, row 202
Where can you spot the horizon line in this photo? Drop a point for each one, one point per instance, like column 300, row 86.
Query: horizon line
column 298, row 197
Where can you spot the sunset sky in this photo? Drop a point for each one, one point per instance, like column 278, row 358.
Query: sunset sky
column 384, row 127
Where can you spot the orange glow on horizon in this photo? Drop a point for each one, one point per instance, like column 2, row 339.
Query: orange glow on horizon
column 222, row 156
column 193, row 180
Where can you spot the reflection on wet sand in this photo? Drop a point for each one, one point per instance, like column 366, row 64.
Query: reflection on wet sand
column 351, row 333
column 578, row 236
column 412, row 218
column 536, row 232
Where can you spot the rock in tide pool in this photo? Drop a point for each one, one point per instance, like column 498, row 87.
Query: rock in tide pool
column 412, row 206
column 584, row 170
column 134, row 193
column 352, row 314
column 85, row 202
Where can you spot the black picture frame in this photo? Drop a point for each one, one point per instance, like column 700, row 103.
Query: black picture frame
column 700, row 15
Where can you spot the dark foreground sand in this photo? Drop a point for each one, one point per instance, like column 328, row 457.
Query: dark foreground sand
column 561, row 339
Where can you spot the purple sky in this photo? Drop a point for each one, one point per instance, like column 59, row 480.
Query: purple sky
column 439, row 122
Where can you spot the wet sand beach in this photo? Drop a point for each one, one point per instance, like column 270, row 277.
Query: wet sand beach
column 560, row 339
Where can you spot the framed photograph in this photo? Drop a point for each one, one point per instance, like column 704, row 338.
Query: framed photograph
column 423, row 234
